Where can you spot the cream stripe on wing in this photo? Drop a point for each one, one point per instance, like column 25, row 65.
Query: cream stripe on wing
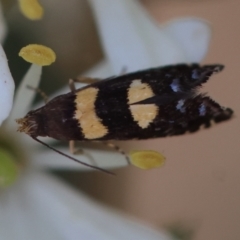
column 91, row 125
column 143, row 114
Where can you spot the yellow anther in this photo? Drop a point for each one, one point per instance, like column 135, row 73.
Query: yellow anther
column 147, row 159
column 38, row 54
column 31, row 9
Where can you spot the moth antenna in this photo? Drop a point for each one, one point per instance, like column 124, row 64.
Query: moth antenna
column 74, row 159
column 39, row 91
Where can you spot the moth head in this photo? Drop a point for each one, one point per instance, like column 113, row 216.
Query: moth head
column 30, row 124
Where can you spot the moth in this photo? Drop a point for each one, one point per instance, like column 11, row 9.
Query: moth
column 152, row 103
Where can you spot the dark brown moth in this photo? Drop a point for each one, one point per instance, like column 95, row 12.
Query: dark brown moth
column 152, row 103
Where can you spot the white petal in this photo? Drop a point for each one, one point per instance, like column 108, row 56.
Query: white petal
column 130, row 37
column 193, row 36
column 7, row 86
column 41, row 208
column 24, row 96
column 3, row 26
column 95, row 154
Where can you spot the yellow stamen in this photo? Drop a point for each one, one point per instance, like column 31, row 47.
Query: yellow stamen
column 38, row 54
column 31, row 9
column 147, row 159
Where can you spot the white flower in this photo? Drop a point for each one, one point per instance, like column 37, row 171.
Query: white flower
column 38, row 206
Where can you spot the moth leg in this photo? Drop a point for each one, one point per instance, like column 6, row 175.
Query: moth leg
column 72, row 149
column 39, row 91
column 118, row 149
